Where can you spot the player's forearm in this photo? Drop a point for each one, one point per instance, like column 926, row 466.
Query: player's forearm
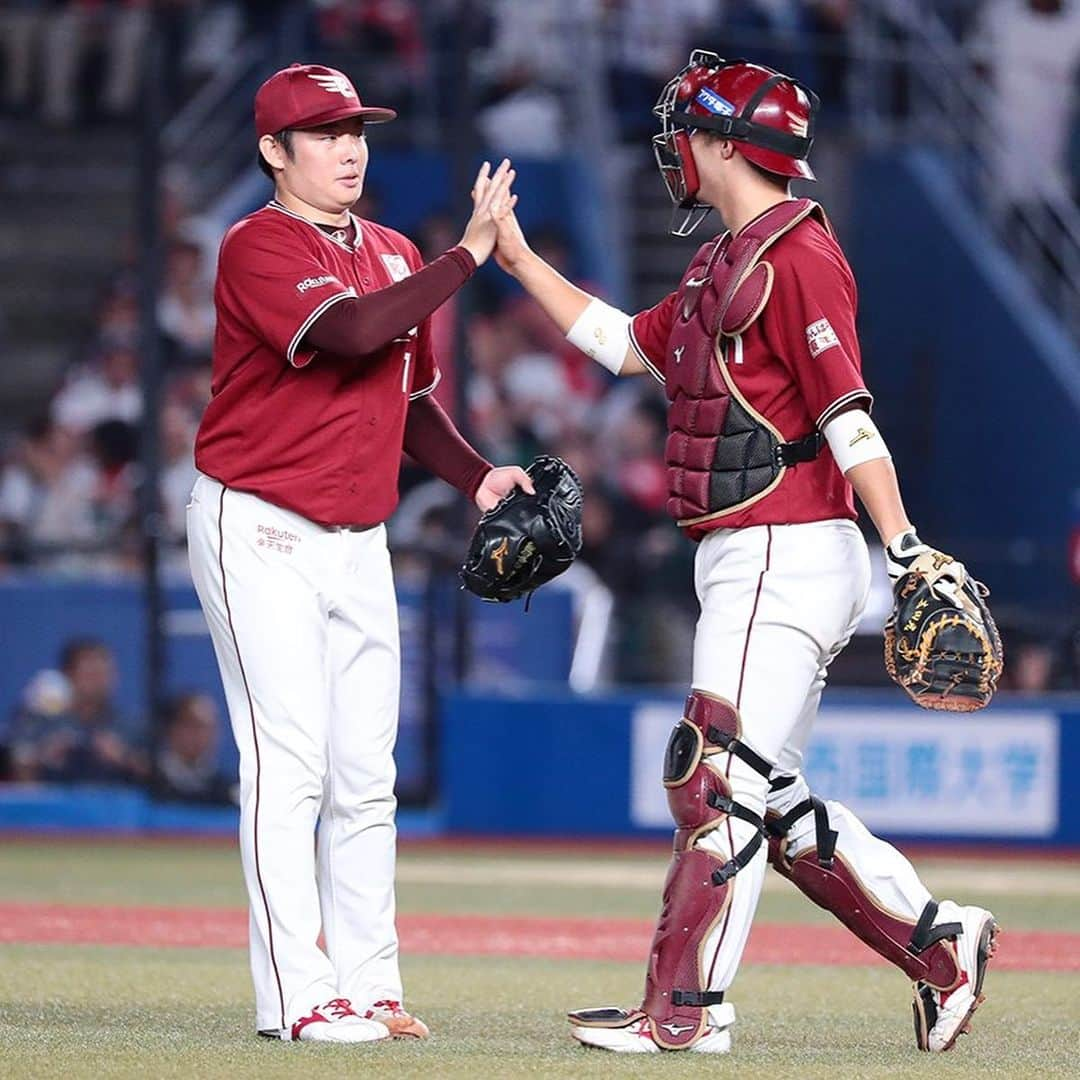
column 561, row 299
column 876, row 485
column 862, row 456
column 567, row 305
column 432, row 439
column 364, row 324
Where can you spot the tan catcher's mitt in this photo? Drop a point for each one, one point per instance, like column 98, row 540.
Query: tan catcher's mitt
column 941, row 644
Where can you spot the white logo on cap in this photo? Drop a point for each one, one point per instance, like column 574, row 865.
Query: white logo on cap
column 335, row 84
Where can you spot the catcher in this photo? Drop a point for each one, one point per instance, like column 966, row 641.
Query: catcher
column 769, row 438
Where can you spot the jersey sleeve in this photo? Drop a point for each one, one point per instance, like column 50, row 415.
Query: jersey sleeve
column 278, row 287
column 809, row 323
column 649, row 332
column 425, row 374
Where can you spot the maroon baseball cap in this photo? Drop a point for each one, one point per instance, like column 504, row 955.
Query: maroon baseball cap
column 307, row 96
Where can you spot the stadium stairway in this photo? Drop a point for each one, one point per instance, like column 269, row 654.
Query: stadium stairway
column 68, row 199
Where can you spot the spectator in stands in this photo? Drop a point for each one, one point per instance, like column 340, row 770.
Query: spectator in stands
column 118, row 322
column 190, row 388
column 645, row 50
column 528, row 73
column 20, row 27
column 71, row 29
column 185, row 307
column 107, row 389
column 114, row 447
column 641, row 473
column 46, row 495
column 1030, row 51
column 187, row 769
column 177, row 469
column 86, row 740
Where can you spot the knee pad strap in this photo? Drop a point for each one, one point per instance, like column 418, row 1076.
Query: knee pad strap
column 719, row 722
column 826, row 838
column 699, row 795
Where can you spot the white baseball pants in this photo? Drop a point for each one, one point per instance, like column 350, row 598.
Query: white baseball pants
column 305, row 629
column 778, row 603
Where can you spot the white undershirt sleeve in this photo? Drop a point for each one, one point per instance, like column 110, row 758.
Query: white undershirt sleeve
column 602, row 332
column 854, row 438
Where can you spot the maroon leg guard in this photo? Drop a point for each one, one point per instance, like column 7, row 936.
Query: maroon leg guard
column 675, row 1000
column 696, row 893
column 918, row 949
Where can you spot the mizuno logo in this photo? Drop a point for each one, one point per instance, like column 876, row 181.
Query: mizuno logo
column 799, row 125
column 861, row 434
column 335, row 84
column 498, row 554
column 677, row 1029
column 678, row 353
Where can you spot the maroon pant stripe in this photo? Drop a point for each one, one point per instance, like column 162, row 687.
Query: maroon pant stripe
column 753, row 613
column 255, row 740
column 738, row 701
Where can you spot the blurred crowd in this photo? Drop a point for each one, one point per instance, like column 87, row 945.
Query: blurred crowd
column 67, row 729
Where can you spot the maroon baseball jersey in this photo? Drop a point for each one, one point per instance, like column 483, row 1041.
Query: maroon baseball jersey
column 798, row 364
column 315, row 433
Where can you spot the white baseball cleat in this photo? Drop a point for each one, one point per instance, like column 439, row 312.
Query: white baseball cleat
column 941, row 1017
column 626, row 1031
column 401, row 1024
column 334, row 1022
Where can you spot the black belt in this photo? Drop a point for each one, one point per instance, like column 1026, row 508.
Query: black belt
column 793, row 453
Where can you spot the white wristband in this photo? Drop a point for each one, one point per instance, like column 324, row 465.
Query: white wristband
column 602, row 332
column 854, row 438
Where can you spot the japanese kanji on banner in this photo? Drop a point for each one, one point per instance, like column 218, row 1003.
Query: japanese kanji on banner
column 993, row 774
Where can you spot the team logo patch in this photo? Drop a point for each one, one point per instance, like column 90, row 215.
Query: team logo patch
column 396, row 265
column 313, row 283
column 334, row 84
column 714, row 102
column 820, row 336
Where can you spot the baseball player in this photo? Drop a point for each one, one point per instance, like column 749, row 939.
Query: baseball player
column 322, row 372
column 769, row 432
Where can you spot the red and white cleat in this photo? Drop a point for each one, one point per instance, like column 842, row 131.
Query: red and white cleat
column 941, row 1017
column 336, row 1022
column 401, row 1024
column 629, row 1031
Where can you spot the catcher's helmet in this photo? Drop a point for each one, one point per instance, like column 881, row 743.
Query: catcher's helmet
column 768, row 115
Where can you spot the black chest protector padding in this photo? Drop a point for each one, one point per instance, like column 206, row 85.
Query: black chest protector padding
column 744, row 462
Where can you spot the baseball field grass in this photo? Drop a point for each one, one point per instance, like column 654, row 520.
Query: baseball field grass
column 498, row 942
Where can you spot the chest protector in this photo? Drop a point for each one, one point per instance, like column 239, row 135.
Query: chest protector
column 721, row 454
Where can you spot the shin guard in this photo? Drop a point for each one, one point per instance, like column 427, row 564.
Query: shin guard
column 697, row 891
column 923, row 951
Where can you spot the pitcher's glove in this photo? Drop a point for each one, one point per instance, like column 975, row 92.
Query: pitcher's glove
column 941, row 644
column 526, row 540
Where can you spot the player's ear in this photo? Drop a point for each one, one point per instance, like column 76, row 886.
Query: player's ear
column 272, row 151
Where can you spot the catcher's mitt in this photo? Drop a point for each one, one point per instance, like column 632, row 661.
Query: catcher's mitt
column 941, row 644
column 526, row 540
